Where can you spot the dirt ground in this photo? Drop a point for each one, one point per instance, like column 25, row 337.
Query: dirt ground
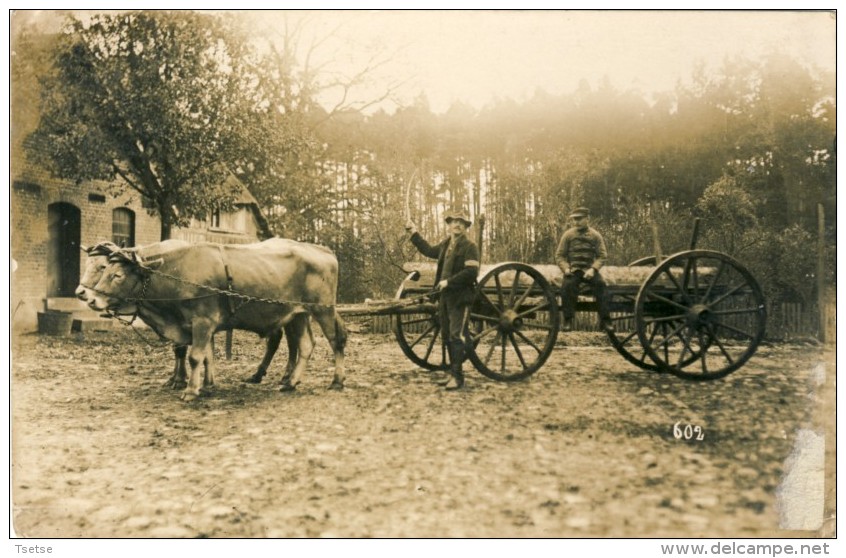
column 584, row 448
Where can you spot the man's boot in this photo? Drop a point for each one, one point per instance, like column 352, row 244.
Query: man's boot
column 456, row 353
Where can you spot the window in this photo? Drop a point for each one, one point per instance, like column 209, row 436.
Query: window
column 215, row 219
column 123, row 227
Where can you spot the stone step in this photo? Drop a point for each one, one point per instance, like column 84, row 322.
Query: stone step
column 85, row 324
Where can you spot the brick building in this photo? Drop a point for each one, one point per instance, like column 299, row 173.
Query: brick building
column 51, row 219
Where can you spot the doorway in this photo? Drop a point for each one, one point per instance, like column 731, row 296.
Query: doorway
column 63, row 237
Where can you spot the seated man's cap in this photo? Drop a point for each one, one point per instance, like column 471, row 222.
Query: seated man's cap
column 580, row 212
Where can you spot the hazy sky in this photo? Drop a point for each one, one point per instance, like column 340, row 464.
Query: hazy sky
column 474, row 56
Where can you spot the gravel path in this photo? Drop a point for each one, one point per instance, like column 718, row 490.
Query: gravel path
column 584, row 448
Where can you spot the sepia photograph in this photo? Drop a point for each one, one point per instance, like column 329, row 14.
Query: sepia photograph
column 533, row 274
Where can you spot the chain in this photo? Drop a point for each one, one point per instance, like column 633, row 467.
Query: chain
column 215, row 290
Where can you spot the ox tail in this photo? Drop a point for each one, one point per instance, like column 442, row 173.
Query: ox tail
column 340, row 333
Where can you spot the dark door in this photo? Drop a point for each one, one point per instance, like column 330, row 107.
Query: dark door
column 63, row 229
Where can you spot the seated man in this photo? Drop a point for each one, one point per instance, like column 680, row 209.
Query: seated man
column 580, row 255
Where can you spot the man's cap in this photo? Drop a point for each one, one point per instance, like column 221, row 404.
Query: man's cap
column 580, row 212
column 458, row 216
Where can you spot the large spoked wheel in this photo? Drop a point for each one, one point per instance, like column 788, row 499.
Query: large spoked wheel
column 419, row 332
column 513, row 322
column 700, row 315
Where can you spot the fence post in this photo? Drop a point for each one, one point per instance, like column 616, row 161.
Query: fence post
column 821, row 295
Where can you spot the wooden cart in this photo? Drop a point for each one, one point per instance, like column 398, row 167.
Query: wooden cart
column 697, row 314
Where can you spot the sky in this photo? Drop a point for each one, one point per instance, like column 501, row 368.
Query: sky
column 477, row 56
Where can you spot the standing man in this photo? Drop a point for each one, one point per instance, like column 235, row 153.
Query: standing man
column 580, row 255
column 455, row 279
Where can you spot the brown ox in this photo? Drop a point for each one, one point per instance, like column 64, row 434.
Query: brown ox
column 206, row 287
column 151, row 313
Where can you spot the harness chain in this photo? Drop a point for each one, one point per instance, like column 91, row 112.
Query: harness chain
column 215, row 290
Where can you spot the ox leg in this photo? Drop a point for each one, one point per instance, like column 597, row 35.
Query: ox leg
column 273, row 340
column 336, row 332
column 199, row 355
column 177, row 379
column 295, row 330
column 305, row 347
column 209, row 366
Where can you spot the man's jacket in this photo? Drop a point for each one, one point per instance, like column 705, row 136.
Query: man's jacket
column 460, row 268
column 580, row 249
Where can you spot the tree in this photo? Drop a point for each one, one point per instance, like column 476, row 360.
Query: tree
column 157, row 102
column 729, row 212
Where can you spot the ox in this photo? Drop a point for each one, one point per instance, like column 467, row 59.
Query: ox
column 205, row 288
column 151, row 313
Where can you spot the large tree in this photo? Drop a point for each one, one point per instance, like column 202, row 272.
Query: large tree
column 159, row 102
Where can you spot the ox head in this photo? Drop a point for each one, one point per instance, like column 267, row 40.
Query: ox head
column 95, row 264
column 120, row 282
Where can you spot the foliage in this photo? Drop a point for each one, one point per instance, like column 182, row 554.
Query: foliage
column 161, row 102
column 729, row 212
column 173, row 102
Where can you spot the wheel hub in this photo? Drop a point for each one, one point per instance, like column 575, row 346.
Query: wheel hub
column 510, row 321
column 698, row 315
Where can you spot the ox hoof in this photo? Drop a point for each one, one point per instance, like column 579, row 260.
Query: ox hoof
column 336, row 385
column 189, row 396
column 254, row 379
column 175, row 383
column 287, row 387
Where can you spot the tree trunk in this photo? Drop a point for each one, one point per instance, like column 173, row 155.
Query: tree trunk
column 165, row 229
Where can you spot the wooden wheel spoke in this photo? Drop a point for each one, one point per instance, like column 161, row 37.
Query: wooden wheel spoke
column 735, row 311
column 524, row 295
column 727, row 294
column 681, row 355
column 665, row 342
column 536, row 325
column 430, row 347
column 538, row 308
column 529, row 341
column 513, row 292
column 673, row 318
column 517, row 350
column 735, row 330
column 502, row 367
column 703, row 352
column 649, row 344
column 678, row 286
column 714, row 282
column 720, row 345
column 475, row 338
column 686, row 348
column 493, row 305
column 687, row 272
column 499, row 292
column 628, row 337
column 423, row 335
column 417, row 320
column 493, row 346
column 667, row 300
column 664, row 329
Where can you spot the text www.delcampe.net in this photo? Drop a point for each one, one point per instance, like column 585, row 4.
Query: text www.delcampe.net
column 750, row 549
